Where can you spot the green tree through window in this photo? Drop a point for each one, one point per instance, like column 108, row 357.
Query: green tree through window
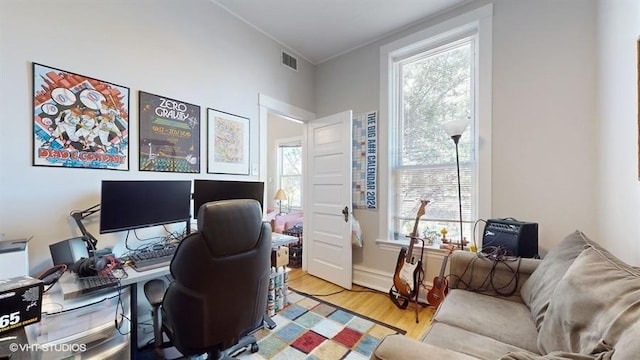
column 291, row 173
column 433, row 87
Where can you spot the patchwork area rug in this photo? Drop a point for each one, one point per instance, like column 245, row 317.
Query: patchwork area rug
column 310, row 328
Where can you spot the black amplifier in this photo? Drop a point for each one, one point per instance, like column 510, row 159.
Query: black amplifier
column 515, row 238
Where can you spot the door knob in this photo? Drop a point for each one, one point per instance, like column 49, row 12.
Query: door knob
column 345, row 212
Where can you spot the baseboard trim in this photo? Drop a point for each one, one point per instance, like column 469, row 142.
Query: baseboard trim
column 381, row 280
column 372, row 278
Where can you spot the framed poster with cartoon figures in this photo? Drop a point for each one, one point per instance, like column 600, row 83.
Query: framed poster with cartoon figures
column 78, row 121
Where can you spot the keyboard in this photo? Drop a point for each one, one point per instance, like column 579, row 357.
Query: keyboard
column 147, row 260
column 88, row 284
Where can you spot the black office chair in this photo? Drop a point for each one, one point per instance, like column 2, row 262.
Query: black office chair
column 221, row 272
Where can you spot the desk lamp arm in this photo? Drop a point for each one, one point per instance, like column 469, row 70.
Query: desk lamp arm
column 78, row 216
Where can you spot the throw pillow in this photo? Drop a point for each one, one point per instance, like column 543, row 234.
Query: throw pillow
column 537, row 290
column 594, row 305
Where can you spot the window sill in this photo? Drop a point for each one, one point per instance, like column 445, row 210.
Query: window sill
column 395, row 245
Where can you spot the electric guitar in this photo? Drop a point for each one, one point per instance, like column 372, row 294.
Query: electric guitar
column 407, row 267
column 440, row 287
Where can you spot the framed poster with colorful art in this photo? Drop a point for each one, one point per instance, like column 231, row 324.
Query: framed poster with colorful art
column 169, row 134
column 78, row 121
column 228, row 143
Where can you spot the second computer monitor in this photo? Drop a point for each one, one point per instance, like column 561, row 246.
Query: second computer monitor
column 205, row 191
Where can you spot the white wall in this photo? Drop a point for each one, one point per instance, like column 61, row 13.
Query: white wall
column 543, row 136
column 189, row 50
column 619, row 195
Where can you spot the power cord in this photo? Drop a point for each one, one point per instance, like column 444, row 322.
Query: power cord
column 498, row 256
column 329, row 294
column 473, row 234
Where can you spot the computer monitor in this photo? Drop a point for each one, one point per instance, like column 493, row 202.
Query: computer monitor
column 130, row 204
column 205, row 191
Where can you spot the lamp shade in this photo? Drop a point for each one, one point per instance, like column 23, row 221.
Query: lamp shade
column 280, row 195
column 456, row 127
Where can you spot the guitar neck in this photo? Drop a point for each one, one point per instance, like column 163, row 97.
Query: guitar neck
column 444, row 265
column 414, row 233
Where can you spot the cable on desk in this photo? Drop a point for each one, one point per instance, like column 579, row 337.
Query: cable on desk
column 56, row 271
column 120, row 304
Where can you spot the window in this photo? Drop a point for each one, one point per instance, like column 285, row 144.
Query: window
column 436, row 75
column 432, row 87
column 290, row 171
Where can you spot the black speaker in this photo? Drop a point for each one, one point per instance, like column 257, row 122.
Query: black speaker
column 68, row 251
column 513, row 237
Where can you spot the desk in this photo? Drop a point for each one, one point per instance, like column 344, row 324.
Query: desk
column 278, row 240
column 71, row 290
column 81, row 327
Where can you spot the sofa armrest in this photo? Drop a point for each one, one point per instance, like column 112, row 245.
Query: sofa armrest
column 477, row 272
column 402, row 347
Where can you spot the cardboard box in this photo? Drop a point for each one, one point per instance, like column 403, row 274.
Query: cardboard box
column 280, row 257
column 20, row 302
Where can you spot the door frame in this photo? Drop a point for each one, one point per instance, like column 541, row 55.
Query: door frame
column 268, row 105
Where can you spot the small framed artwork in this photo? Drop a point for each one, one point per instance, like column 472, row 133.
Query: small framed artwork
column 79, row 121
column 227, row 143
column 169, row 134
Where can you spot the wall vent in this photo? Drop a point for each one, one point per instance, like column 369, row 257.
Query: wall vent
column 289, row 61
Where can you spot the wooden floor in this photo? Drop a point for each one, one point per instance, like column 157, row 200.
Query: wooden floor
column 370, row 303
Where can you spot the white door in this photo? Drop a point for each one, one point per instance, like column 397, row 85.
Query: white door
column 327, row 231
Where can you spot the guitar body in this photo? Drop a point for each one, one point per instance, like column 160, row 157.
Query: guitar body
column 397, row 282
column 440, row 287
column 408, row 271
column 404, row 277
column 438, row 292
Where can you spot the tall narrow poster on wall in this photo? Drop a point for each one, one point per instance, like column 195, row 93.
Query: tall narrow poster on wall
column 365, row 160
column 169, row 134
column 78, row 121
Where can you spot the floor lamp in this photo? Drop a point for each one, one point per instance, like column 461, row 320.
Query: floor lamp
column 455, row 129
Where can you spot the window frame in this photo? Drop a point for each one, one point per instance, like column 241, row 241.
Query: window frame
column 295, row 141
column 477, row 22
column 398, row 74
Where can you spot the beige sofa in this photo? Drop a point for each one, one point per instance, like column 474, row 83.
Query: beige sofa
column 579, row 302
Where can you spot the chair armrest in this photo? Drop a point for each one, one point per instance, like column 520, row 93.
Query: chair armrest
column 470, row 271
column 402, row 347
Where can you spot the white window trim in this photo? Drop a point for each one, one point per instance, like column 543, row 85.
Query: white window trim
column 296, row 140
column 480, row 22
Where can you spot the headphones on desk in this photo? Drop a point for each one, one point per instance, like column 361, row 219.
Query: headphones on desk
column 50, row 276
column 93, row 265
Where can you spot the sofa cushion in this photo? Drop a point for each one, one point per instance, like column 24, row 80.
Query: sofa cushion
column 628, row 346
column 479, row 273
column 594, row 305
column 466, row 342
column 500, row 319
column 556, row 355
column 537, row 290
column 402, row 347
column 282, row 222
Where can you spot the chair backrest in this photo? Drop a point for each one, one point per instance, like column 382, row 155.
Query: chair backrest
column 221, row 277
